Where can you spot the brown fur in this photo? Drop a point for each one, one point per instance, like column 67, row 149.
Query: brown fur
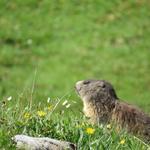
column 102, row 105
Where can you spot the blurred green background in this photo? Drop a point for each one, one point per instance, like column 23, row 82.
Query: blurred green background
column 64, row 41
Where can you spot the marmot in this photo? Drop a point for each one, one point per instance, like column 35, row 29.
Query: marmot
column 102, row 105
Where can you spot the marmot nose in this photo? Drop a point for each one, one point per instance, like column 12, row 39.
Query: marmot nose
column 78, row 85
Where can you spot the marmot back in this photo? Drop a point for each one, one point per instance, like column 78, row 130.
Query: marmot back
column 102, row 105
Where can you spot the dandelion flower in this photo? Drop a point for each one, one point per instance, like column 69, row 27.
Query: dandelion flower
column 108, row 126
column 41, row 113
column 90, row 131
column 122, row 141
column 27, row 115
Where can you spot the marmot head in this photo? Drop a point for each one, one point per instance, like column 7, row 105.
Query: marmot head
column 97, row 91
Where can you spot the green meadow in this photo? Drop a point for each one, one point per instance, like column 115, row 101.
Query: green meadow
column 47, row 46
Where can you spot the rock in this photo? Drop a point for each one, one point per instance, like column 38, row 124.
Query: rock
column 24, row 142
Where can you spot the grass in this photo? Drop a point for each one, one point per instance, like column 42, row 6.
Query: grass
column 44, row 122
column 51, row 45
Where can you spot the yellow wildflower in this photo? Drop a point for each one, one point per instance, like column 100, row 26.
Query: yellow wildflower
column 49, row 108
column 122, row 141
column 90, row 131
column 108, row 126
column 41, row 113
column 27, row 115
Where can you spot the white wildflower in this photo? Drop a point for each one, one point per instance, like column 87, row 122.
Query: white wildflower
column 67, row 106
column 9, row 98
column 48, row 100
column 65, row 102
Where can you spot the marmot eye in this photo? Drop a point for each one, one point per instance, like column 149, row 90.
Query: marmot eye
column 86, row 82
